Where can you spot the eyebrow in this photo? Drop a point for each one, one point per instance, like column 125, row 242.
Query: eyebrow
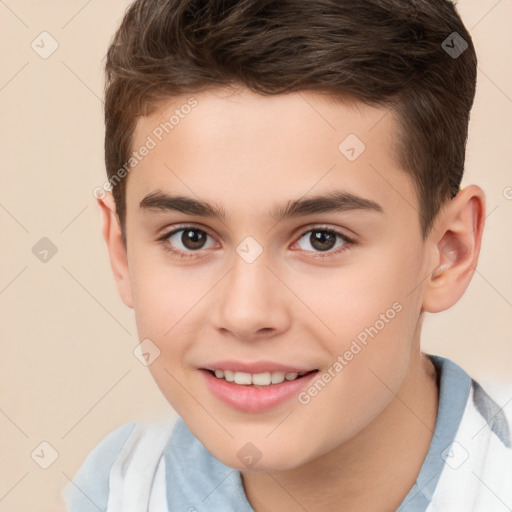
column 336, row 201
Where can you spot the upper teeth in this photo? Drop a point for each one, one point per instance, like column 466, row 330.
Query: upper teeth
column 259, row 379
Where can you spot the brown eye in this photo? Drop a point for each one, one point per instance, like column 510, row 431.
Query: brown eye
column 186, row 240
column 193, row 239
column 323, row 240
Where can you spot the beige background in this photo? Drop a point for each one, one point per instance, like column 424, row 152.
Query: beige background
column 68, row 374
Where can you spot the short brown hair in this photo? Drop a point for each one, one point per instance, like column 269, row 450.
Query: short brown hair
column 392, row 53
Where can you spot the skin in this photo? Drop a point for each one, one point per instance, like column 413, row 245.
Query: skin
column 360, row 443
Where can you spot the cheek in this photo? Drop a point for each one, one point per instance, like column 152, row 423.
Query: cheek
column 362, row 380
column 373, row 298
column 162, row 295
column 164, row 303
column 372, row 319
column 358, row 301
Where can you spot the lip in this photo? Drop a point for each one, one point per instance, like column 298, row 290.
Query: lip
column 255, row 399
column 255, row 367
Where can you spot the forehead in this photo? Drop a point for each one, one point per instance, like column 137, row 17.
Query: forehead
column 249, row 147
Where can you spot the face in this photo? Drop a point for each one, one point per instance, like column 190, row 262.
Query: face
column 270, row 276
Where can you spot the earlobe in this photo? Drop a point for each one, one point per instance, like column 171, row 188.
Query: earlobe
column 111, row 231
column 457, row 247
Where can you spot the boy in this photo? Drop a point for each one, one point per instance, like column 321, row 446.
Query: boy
column 283, row 205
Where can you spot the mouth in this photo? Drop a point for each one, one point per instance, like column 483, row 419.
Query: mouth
column 257, row 380
column 255, row 393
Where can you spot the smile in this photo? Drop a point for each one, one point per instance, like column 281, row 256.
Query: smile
column 257, row 379
column 247, row 395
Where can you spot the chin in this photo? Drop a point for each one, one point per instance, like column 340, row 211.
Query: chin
column 258, row 458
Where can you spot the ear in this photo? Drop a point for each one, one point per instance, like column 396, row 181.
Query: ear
column 111, row 230
column 456, row 244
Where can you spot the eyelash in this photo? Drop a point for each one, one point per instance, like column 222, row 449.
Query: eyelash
column 348, row 242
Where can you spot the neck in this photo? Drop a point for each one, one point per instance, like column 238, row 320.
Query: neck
column 372, row 471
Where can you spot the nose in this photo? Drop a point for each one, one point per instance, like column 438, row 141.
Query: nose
column 251, row 302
